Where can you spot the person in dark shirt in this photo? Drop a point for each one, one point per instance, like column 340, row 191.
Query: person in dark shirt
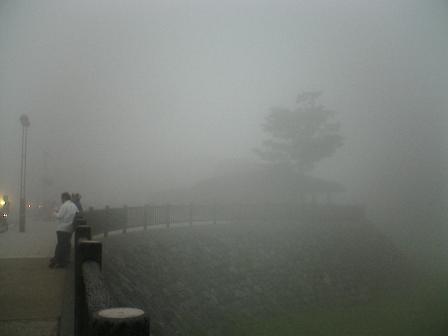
column 76, row 198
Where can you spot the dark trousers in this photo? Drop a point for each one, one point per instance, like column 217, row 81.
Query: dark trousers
column 62, row 251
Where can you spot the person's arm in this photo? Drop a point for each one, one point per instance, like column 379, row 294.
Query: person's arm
column 61, row 212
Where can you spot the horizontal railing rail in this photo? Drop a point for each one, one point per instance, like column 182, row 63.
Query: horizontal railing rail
column 109, row 219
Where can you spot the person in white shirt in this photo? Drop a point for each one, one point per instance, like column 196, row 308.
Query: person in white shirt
column 64, row 230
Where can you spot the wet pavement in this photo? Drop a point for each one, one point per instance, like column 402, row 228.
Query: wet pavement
column 31, row 294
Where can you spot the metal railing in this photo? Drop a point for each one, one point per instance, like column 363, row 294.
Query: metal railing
column 109, row 219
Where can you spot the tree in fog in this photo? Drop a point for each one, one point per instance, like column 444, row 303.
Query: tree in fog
column 301, row 137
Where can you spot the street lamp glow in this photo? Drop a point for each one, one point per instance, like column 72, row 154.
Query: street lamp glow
column 2, row 202
column 24, row 120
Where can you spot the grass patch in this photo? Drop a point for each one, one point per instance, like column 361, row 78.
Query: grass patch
column 420, row 309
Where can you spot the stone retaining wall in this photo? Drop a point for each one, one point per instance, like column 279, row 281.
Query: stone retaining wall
column 198, row 278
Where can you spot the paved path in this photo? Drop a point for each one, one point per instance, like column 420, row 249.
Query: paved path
column 38, row 240
column 31, row 294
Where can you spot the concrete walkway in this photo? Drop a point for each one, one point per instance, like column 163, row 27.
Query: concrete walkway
column 31, row 294
column 38, row 240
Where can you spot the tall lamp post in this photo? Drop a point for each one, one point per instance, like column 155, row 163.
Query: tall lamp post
column 22, row 218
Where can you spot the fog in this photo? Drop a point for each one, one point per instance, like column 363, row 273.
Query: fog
column 127, row 99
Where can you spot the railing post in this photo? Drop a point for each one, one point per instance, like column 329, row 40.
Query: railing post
column 240, row 211
column 81, row 232
column 106, row 221
column 153, row 215
column 79, row 221
column 191, row 214
column 156, row 211
column 120, row 321
column 88, row 250
column 89, row 215
column 145, row 216
column 168, row 215
column 125, row 219
column 93, row 313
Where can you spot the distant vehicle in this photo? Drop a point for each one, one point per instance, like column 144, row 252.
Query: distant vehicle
column 3, row 221
column 4, row 212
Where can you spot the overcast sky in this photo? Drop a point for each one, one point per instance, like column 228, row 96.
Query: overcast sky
column 129, row 97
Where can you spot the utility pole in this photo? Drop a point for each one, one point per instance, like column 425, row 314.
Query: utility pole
column 22, row 218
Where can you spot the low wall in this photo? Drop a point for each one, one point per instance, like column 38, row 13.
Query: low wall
column 199, row 278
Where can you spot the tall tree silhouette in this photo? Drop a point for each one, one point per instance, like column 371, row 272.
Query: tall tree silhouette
column 301, row 137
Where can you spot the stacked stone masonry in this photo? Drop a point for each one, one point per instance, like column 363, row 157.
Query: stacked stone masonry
column 202, row 276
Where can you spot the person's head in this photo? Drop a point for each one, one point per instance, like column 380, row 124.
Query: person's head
column 65, row 196
column 76, row 197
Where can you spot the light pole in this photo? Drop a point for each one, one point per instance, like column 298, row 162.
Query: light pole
column 25, row 124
